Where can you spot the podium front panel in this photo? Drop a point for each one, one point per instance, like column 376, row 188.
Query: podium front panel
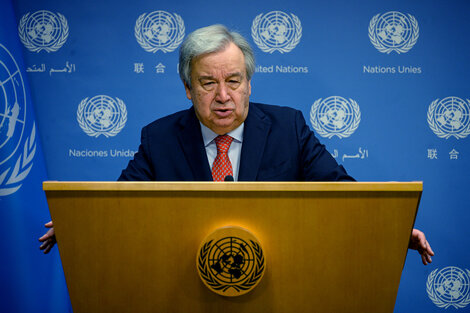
column 329, row 247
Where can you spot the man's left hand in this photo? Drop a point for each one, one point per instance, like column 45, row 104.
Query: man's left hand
column 418, row 242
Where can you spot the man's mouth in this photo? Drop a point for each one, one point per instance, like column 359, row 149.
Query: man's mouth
column 223, row 113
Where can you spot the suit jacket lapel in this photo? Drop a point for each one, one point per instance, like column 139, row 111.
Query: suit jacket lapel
column 257, row 126
column 192, row 144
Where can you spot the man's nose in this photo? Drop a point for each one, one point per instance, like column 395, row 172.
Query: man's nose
column 222, row 95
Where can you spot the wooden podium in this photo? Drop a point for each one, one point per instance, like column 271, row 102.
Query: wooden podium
column 329, row 247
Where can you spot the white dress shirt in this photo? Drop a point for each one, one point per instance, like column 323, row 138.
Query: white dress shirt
column 235, row 147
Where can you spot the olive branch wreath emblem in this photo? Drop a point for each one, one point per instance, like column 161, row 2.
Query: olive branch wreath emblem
column 435, row 128
column 346, row 133
column 11, row 182
column 113, row 132
column 259, row 42
column 438, row 302
column 382, row 48
column 32, row 47
column 150, row 48
column 245, row 285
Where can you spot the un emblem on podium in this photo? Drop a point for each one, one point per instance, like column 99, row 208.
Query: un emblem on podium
column 231, row 261
column 102, row 115
column 159, row 30
column 43, row 30
column 276, row 30
column 335, row 116
column 393, row 31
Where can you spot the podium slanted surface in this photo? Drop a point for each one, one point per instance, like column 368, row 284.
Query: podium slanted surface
column 328, row 247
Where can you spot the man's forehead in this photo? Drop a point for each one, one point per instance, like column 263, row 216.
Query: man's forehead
column 230, row 58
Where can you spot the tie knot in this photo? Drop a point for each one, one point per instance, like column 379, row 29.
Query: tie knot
column 223, row 143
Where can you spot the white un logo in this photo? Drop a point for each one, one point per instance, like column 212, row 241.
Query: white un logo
column 276, row 30
column 43, row 30
column 450, row 117
column 335, row 116
column 17, row 149
column 159, row 30
column 393, row 31
column 102, row 115
column 449, row 286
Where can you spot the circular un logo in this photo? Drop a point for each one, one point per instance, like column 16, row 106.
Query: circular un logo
column 102, row 115
column 393, row 31
column 230, row 261
column 335, row 116
column 449, row 286
column 276, row 30
column 43, row 30
column 450, row 117
column 16, row 151
column 159, row 30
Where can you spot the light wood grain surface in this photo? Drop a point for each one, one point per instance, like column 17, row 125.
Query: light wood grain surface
column 330, row 247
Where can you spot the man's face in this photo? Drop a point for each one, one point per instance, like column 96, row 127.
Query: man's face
column 220, row 91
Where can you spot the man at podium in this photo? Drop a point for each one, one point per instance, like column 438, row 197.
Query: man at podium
column 224, row 136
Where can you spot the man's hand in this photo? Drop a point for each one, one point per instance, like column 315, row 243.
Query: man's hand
column 48, row 239
column 418, row 242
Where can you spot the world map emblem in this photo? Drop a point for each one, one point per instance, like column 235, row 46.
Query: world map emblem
column 17, row 139
column 393, row 31
column 449, row 117
column 43, row 30
column 276, row 31
column 159, row 30
column 335, row 116
column 102, row 115
column 448, row 287
column 231, row 261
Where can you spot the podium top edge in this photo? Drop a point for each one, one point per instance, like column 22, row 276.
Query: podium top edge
column 231, row 186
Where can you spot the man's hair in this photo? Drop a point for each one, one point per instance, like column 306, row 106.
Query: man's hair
column 211, row 39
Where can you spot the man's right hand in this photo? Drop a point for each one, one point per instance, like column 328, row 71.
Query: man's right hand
column 48, row 239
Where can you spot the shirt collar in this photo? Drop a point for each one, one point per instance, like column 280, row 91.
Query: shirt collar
column 208, row 135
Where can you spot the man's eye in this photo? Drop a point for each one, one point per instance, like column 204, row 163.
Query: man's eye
column 208, row 83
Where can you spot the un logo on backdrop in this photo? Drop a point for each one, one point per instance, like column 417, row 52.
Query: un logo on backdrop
column 159, row 30
column 449, row 286
column 450, row 117
column 43, row 30
column 276, row 30
column 102, row 115
column 393, row 31
column 16, row 151
column 335, row 116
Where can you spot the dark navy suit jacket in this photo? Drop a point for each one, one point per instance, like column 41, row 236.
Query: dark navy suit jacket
column 277, row 146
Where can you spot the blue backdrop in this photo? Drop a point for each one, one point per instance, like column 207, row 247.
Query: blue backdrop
column 383, row 84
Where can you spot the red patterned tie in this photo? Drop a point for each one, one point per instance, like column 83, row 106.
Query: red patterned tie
column 222, row 166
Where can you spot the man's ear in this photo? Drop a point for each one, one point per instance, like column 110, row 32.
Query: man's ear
column 188, row 91
column 249, row 87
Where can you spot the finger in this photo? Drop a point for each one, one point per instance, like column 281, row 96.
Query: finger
column 48, row 248
column 44, row 244
column 428, row 258
column 44, row 237
column 49, row 224
column 424, row 259
column 50, row 233
column 429, row 249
